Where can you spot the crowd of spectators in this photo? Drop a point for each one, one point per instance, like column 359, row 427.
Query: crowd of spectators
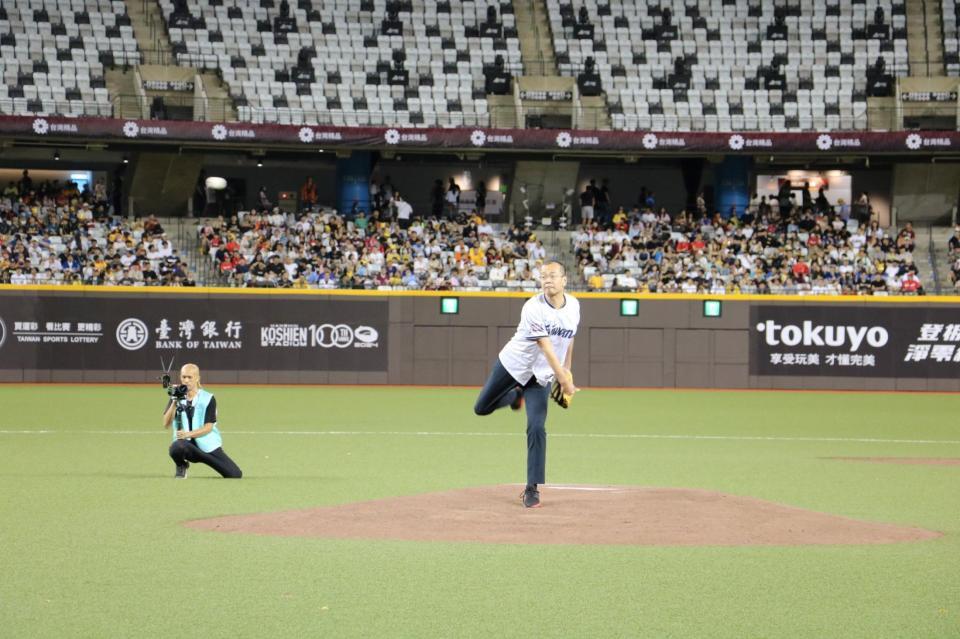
column 953, row 245
column 324, row 249
column 803, row 250
column 53, row 233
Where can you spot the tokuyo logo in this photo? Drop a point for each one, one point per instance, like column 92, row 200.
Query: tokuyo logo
column 132, row 334
column 810, row 334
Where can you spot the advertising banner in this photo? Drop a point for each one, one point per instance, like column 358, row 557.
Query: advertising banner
column 252, row 334
column 855, row 341
column 475, row 138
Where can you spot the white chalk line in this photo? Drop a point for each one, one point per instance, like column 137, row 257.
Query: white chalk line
column 355, row 433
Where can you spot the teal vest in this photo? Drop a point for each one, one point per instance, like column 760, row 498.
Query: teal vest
column 212, row 440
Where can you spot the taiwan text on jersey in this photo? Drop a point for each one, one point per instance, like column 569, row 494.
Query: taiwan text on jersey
column 522, row 356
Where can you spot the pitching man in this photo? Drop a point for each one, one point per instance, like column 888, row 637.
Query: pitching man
column 539, row 354
column 196, row 437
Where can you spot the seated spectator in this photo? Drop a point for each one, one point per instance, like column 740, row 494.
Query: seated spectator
column 954, row 242
column 907, row 238
column 799, row 252
column 50, row 236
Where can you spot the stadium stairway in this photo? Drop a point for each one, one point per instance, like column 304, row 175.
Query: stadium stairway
column 924, row 38
column 925, row 59
column 182, row 232
column 542, row 75
column 503, row 111
column 564, row 255
column 147, row 22
column 536, row 45
column 163, row 182
column 924, row 257
column 121, row 83
column 159, row 62
column 939, row 254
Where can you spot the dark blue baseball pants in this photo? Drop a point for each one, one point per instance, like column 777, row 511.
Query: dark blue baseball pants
column 501, row 390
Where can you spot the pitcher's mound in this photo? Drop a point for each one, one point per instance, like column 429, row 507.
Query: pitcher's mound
column 572, row 515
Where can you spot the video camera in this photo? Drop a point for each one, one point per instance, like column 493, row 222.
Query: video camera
column 175, row 391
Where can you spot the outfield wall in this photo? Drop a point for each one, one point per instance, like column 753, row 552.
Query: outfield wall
column 93, row 334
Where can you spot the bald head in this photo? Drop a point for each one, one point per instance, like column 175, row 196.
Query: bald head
column 190, row 377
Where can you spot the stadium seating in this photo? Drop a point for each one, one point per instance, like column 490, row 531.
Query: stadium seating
column 951, row 37
column 53, row 55
column 55, row 236
column 336, row 62
column 741, row 65
column 799, row 254
column 370, row 254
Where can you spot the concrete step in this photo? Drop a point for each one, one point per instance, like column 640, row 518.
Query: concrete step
column 940, row 259
column 595, row 115
column 221, row 105
column 121, row 84
column 503, row 114
column 881, row 113
column 147, row 21
column 536, row 43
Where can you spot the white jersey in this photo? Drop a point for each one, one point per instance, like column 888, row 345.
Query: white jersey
column 522, row 356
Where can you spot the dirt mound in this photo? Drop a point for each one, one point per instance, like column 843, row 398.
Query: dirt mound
column 572, row 515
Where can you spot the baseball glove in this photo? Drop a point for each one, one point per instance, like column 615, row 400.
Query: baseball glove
column 556, row 394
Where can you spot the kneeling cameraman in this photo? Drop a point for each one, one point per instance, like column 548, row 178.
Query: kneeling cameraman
column 195, row 436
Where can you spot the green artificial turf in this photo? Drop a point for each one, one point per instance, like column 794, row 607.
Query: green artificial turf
column 91, row 542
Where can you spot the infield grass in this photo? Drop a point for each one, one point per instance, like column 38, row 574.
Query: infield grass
column 91, row 542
